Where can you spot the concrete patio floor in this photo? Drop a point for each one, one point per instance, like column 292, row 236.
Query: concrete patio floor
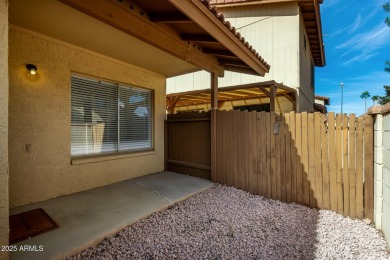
column 86, row 218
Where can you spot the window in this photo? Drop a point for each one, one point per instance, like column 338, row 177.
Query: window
column 109, row 117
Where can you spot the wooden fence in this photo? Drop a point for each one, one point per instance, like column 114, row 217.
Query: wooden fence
column 188, row 145
column 320, row 161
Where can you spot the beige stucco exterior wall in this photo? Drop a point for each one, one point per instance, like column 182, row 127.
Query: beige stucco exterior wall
column 305, row 91
column 4, row 227
column 40, row 116
column 273, row 30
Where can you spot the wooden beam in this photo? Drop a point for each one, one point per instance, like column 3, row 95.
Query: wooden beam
column 120, row 16
column 173, row 104
column 238, row 63
column 195, row 99
column 175, row 17
column 182, row 103
column 289, row 97
column 198, row 38
column 241, row 92
column 218, row 52
column 220, row 104
column 238, row 87
column 207, row 20
column 258, row 2
column 272, row 98
column 240, row 70
column 265, row 91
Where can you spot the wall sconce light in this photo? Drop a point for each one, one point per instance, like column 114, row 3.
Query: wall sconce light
column 32, row 68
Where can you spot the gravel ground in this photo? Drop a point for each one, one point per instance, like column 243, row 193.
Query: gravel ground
column 227, row 223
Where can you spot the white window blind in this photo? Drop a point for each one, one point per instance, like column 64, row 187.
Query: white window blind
column 109, row 117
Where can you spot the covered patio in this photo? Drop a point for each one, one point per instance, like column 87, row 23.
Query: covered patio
column 277, row 97
column 68, row 56
column 87, row 217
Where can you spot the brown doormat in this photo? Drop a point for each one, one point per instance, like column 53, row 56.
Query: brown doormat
column 29, row 224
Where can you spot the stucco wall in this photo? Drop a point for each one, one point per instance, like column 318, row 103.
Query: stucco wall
column 305, row 91
column 40, row 116
column 3, row 126
column 273, row 30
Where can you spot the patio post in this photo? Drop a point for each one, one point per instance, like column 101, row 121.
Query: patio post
column 213, row 125
column 272, row 97
column 4, row 93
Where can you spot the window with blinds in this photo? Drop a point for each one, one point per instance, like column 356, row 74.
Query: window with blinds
column 108, row 117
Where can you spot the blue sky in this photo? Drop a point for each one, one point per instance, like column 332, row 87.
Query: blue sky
column 357, row 44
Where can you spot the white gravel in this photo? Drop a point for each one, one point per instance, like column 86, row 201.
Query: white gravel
column 227, row 223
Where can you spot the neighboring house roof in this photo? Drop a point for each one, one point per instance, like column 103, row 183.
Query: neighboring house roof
column 232, row 93
column 186, row 29
column 320, row 108
column 325, row 99
column 311, row 17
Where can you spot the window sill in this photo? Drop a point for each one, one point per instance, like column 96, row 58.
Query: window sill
column 108, row 157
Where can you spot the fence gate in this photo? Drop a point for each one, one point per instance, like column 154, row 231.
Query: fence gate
column 188, row 145
column 317, row 160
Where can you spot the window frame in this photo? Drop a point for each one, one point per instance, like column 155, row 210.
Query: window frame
column 87, row 158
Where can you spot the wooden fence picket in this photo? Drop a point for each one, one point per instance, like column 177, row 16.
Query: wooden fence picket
column 317, row 160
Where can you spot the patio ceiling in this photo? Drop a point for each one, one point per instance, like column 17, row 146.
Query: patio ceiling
column 191, row 30
column 311, row 16
column 232, row 93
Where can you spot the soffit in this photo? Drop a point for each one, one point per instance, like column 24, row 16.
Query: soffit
column 113, row 35
column 54, row 19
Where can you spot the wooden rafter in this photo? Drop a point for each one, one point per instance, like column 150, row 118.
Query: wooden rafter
column 289, row 97
column 240, row 70
column 217, row 52
column 175, row 17
column 255, row 2
column 240, row 92
column 265, row 91
column 198, row 38
column 238, row 63
column 193, row 102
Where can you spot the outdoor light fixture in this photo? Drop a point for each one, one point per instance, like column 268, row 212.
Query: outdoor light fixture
column 32, row 68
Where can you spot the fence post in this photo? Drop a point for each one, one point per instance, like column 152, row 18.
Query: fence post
column 368, row 167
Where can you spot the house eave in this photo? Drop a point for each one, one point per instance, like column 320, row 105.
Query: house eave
column 166, row 33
